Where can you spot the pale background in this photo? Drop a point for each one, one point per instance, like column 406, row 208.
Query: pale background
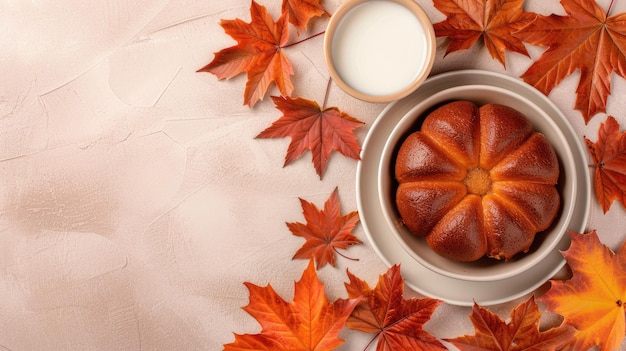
column 135, row 200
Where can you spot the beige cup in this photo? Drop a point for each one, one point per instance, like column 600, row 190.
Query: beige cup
column 379, row 50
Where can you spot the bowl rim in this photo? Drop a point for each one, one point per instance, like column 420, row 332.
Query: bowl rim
column 419, row 278
column 425, row 22
column 467, row 272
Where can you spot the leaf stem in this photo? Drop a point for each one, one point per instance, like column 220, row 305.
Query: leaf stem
column 305, row 39
column 371, row 342
column 330, row 79
column 608, row 11
column 344, row 256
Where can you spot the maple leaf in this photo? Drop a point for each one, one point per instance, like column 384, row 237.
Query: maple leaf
column 326, row 231
column 397, row 322
column 609, row 157
column 585, row 40
column 302, row 11
column 258, row 53
column 319, row 130
column 521, row 333
column 593, row 299
column 494, row 20
column 309, row 323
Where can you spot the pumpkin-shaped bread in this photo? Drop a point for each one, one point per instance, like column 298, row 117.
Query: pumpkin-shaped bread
column 477, row 181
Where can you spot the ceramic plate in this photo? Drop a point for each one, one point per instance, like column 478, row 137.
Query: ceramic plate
column 417, row 276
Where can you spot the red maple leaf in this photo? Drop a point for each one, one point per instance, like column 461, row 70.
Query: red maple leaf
column 495, row 21
column 396, row 322
column 319, row 130
column 586, row 40
column 609, row 157
column 309, row 323
column 302, row 11
column 521, row 333
column 258, row 53
column 593, row 300
column 326, row 231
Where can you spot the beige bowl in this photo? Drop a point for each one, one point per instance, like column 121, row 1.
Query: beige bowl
column 485, row 269
column 379, row 50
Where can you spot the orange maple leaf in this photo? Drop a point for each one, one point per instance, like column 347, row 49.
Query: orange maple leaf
column 609, row 157
column 586, row 40
column 319, row 130
column 396, row 322
column 593, row 299
column 309, row 323
column 521, row 333
column 494, row 20
column 326, row 231
column 258, row 52
column 302, row 11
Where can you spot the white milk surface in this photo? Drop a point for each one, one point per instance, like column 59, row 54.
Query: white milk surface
column 379, row 47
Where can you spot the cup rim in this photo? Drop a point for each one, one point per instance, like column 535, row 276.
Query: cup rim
column 430, row 49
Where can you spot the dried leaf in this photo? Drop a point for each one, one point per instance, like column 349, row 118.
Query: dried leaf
column 609, row 157
column 309, row 323
column 314, row 129
column 521, row 333
column 326, row 231
column 586, row 39
column 593, row 299
column 495, row 21
column 395, row 321
column 258, row 53
column 302, row 11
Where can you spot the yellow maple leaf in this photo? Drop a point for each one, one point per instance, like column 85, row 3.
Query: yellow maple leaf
column 592, row 301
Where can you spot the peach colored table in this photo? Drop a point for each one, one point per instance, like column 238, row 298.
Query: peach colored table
column 135, row 200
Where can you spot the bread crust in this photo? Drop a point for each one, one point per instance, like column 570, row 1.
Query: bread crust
column 477, row 181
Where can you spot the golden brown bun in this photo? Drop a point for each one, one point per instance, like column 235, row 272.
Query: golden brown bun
column 477, row 181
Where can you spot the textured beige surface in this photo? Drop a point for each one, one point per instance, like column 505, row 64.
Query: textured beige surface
column 135, row 200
